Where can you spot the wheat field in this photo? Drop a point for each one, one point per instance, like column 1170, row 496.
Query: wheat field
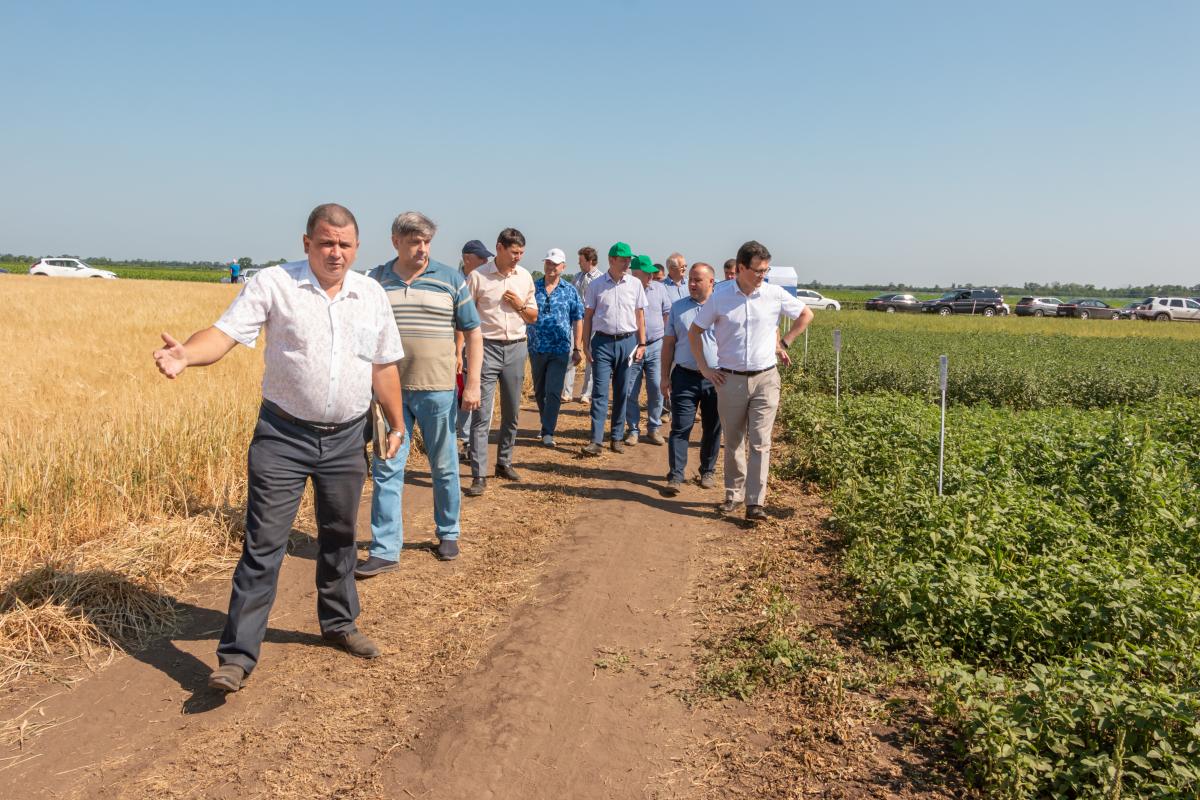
column 117, row 486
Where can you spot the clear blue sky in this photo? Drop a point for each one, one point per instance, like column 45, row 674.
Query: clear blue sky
column 862, row 142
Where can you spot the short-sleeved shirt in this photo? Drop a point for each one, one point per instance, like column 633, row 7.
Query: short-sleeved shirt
column 319, row 350
column 497, row 319
column 584, row 280
column 683, row 314
column 427, row 313
column 615, row 303
column 658, row 305
column 558, row 312
column 746, row 326
column 675, row 291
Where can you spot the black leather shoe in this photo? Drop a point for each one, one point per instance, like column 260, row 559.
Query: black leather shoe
column 227, row 678
column 476, row 488
column 755, row 513
column 375, row 566
column 729, row 506
column 507, row 472
column 356, row 643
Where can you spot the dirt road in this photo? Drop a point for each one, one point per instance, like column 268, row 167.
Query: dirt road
column 552, row 660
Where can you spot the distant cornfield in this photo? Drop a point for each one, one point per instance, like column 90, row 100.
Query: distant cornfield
column 116, row 485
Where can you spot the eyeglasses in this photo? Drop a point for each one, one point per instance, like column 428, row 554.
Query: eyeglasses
column 762, row 273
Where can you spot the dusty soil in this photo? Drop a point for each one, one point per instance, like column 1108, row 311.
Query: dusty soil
column 568, row 653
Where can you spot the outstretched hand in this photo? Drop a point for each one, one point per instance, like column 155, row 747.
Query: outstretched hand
column 171, row 359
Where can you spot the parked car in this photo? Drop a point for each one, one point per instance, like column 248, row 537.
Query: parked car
column 68, row 268
column 816, row 300
column 1169, row 309
column 1129, row 310
column 1037, row 307
column 1088, row 308
column 3, row 271
column 891, row 303
column 988, row 302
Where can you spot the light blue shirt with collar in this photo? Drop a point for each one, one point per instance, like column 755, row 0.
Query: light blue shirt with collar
column 615, row 303
column 683, row 314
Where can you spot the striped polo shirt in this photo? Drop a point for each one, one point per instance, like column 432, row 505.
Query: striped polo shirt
column 428, row 311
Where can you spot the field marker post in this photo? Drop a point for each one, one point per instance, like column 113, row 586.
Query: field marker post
column 804, row 363
column 943, row 377
column 837, row 369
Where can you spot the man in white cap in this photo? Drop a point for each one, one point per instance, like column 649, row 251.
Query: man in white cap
column 555, row 340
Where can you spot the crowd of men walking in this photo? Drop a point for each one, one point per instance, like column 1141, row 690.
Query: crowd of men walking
column 433, row 344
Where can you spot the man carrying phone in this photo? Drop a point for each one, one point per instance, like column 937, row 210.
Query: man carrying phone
column 332, row 342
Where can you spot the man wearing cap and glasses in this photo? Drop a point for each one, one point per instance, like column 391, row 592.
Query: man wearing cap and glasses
column 332, row 342
column 430, row 305
column 588, row 272
column 555, row 340
column 614, row 336
column 744, row 315
column 474, row 255
column 503, row 292
column 658, row 309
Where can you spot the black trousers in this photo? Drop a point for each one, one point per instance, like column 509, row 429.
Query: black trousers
column 282, row 458
column 691, row 393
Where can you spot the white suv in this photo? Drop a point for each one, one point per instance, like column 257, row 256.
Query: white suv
column 68, row 268
column 1167, row 309
column 817, row 300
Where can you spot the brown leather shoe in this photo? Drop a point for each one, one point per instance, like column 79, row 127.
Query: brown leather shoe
column 654, row 437
column 355, row 643
column 227, row 678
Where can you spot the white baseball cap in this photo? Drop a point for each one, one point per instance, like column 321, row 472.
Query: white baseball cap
column 555, row 255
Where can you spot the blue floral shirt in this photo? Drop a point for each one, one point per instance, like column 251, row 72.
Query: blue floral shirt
column 558, row 311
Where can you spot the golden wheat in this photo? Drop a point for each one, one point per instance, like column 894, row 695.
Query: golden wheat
column 116, row 485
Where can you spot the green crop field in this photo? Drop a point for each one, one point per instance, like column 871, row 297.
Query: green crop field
column 1053, row 592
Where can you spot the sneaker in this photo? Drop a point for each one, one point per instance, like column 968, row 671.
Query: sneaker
column 447, row 549
column 673, row 488
column 375, row 566
column 586, row 399
column 355, row 643
column 708, row 480
column 631, row 438
column 548, row 440
column 227, row 678
column 566, row 397
column 755, row 513
column 729, row 506
column 616, row 446
column 654, row 437
column 593, row 449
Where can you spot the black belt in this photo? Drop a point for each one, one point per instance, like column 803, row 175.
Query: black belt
column 689, row 370
column 747, row 372
column 652, row 341
column 320, row 428
column 506, row 341
column 616, row 337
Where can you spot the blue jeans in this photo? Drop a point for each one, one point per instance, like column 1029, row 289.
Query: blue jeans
column 691, row 392
column 435, row 412
column 610, row 367
column 651, row 367
column 549, row 373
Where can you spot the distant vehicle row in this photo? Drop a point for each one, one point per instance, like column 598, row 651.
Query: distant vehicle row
column 68, row 268
column 990, row 303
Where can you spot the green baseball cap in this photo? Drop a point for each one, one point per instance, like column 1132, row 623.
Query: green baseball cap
column 644, row 263
column 620, row 250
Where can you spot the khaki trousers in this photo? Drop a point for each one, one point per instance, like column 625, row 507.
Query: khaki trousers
column 747, row 406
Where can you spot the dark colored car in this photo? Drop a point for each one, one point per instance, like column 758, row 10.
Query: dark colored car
column 1037, row 307
column 891, row 303
column 1089, row 308
column 1129, row 310
column 988, row 302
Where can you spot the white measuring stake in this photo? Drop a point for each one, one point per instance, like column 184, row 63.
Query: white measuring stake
column 837, row 369
column 805, row 362
column 943, row 378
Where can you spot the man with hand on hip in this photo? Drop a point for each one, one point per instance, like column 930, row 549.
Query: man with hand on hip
column 332, row 342
column 503, row 292
column 555, row 340
column 614, row 337
column 658, row 308
column 688, row 391
column 744, row 314
column 431, row 305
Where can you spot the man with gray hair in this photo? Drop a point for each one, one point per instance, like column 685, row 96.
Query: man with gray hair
column 676, row 282
column 430, row 304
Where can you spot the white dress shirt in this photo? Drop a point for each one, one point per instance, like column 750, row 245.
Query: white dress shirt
column 319, row 350
column 746, row 326
column 615, row 303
